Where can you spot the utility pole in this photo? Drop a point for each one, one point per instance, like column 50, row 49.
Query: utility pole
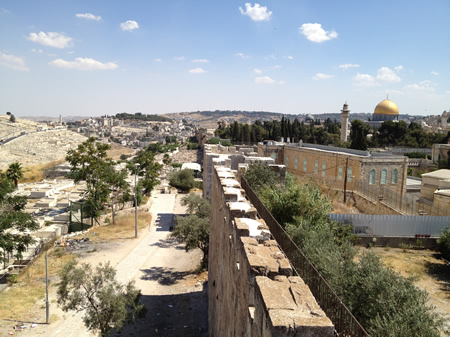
column 136, row 165
column 47, row 305
column 345, row 181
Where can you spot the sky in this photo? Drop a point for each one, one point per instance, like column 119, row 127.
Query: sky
column 92, row 58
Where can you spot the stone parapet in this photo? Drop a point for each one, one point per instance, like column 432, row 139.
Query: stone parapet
column 251, row 287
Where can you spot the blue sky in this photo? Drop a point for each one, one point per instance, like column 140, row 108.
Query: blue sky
column 91, row 58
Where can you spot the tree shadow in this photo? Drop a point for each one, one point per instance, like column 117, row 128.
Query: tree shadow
column 172, row 315
column 168, row 243
column 164, row 276
column 440, row 271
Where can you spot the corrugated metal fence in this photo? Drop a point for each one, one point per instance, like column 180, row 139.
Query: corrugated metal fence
column 394, row 225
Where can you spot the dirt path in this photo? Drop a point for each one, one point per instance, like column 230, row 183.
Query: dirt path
column 176, row 299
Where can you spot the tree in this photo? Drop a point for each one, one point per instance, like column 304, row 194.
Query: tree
column 166, row 159
column 260, row 175
column 184, row 180
column 13, row 218
column 12, row 118
column 108, row 304
column 14, row 173
column 358, row 135
column 444, row 243
column 193, row 229
column 119, row 188
column 90, row 163
column 148, row 169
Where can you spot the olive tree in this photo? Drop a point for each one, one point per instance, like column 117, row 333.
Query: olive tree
column 107, row 304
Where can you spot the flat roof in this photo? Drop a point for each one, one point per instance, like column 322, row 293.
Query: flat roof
column 440, row 174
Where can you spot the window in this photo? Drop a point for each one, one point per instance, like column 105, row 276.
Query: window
column 372, row 177
column 383, row 176
column 324, row 167
column 287, row 161
column 340, row 172
column 273, row 156
column 316, row 167
column 296, row 162
column 349, row 174
column 305, row 165
column 394, row 176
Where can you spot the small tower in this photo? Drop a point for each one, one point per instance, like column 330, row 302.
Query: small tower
column 60, row 120
column 444, row 118
column 345, row 113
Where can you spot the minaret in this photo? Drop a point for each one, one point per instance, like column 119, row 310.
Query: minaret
column 60, row 120
column 444, row 118
column 345, row 113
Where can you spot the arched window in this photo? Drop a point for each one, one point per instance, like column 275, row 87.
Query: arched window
column 316, row 167
column 305, row 165
column 372, row 177
column 296, row 162
column 340, row 172
column 324, row 167
column 383, row 176
column 394, row 176
column 349, row 174
column 287, row 161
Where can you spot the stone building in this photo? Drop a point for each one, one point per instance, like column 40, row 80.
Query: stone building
column 334, row 165
column 435, row 191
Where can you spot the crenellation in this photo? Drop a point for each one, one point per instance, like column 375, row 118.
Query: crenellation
column 251, row 289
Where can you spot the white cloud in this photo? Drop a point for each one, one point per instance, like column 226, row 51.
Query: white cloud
column 364, row 80
column 264, row 80
column 256, row 12
column 88, row 16
column 385, row 74
column 242, row 56
column 348, row 66
column 13, row 62
column 435, row 73
column 321, row 76
column 197, row 71
column 277, row 66
column 39, row 51
column 179, row 58
column 129, row 25
column 398, row 68
column 200, row 61
column 3, row 10
column 157, row 60
column 315, row 33
column 289, row 57
column 51, row 39
column 257, row 71
column 421, row 87
column 83, row 63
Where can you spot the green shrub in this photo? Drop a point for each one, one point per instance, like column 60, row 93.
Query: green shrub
column 444, row 243
column 183, row 180
column 12, row 279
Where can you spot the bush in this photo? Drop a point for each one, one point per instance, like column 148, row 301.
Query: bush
column 183, row 180
column 444, row 243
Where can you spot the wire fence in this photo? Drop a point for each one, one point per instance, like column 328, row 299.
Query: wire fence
column 404, row 204
column 345, row 323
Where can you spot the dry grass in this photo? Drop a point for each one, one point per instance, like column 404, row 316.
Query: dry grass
column 37, row 172
column 123, row 229
column 431, row 273
column 18, row 299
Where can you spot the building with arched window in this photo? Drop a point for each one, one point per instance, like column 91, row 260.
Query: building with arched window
column 335, row 165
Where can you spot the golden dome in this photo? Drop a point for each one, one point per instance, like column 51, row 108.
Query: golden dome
column 386, row 107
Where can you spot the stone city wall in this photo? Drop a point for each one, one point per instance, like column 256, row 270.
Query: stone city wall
column 251, row 287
